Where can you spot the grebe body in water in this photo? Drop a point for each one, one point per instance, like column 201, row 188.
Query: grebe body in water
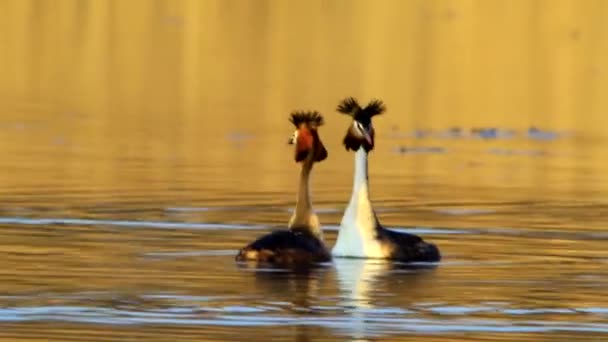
column 302, row 243
column 361, row 235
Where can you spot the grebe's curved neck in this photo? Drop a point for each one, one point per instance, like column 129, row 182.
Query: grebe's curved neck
column 360, row 208
column 360, row 193
column 360, row 182
column 359, row 227
column 303, row 215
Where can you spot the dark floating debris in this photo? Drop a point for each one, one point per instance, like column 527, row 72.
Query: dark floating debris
column 453, row 132
column 421, row 133
column 486, row 133
column 420, row 149
column 493, row 133
column 239, row 136
column 538, row 134
column 416, row 133
column 511, row 152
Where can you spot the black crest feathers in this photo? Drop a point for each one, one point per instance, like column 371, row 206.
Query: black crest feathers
column 312, row 118
column 351, row 107
column 374, row 107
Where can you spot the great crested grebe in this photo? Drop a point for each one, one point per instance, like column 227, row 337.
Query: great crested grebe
column 302, row 243
column 361, row 235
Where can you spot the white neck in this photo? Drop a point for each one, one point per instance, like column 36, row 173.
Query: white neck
column 357, row 235
column 360, row 182
column 360, row 206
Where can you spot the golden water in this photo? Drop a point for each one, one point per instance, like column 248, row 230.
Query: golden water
column 144, row 142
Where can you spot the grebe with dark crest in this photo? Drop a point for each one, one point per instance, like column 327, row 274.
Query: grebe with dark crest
column 302, row 243
column 361, row 235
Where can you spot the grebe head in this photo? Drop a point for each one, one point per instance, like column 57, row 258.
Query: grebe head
column 361, row 131
column 308, row 144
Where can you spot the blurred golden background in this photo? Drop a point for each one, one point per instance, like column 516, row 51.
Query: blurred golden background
column 516, row 62
column 88, row 88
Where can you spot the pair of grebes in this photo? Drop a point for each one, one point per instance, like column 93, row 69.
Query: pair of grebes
column 361, row 235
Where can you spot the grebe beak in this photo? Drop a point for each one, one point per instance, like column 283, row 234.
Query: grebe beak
column 368, row 138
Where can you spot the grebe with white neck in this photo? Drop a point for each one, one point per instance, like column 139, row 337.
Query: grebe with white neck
column 302, row 243
column 361, row 235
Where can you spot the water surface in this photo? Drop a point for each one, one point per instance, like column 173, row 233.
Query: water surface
column 154, row 260
column 143, row 143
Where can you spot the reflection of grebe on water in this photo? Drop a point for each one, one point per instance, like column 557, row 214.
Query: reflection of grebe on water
column 344, row 300
column 359, row 279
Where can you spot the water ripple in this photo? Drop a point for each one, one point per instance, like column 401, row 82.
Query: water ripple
column 216, row 252
column 378, row 321
column 500, row 231
column 126, row 223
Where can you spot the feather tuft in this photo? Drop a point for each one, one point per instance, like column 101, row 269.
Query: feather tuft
column 313, row 118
